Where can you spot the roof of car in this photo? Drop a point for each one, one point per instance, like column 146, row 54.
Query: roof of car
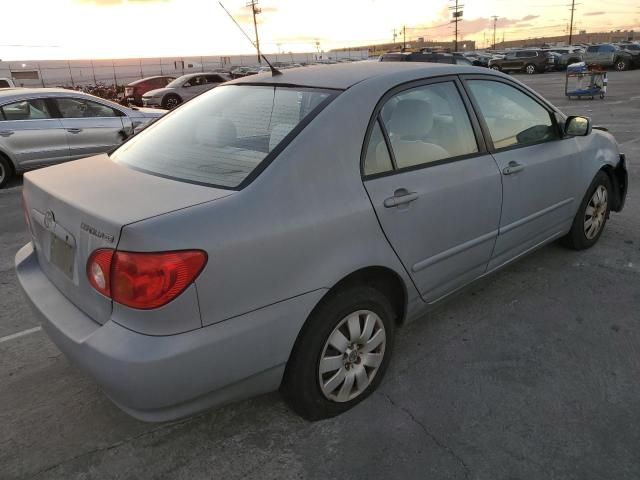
column 344, row 75
column 146, row 79
column 8, row 94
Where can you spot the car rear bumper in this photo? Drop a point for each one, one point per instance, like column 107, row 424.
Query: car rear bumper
column 158, row 378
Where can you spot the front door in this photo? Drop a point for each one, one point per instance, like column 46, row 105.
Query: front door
column 536, row 163
column 91, row 127
column 435, row 190
column 31, row 134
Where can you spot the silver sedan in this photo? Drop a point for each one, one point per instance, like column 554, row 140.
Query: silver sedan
column 275, row 232
column 182, row 89
column 44, row 126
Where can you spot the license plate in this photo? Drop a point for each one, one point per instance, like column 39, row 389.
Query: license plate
column 61, row 256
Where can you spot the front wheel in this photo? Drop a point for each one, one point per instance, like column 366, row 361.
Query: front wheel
column 530, row 69
column 592, row 215
column 6, row 172
column 341, row 354
column 495, row 67
column 171, row 101
column 621, row 64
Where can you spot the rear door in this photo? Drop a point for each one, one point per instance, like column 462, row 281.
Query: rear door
column 91, row 127
column 538, row 166
column 435, row 189
column 31, row 135
column 510, row 61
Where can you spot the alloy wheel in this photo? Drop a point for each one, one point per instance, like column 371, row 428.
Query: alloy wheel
column 172, row 102
column 352, row 356
column 531, row 69
column 620, row 66
column 596, row 212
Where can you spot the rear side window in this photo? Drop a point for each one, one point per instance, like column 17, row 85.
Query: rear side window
column 220, row 137
column 377, row 159
column 26, row 110
column 81, row 108
column 593, row 49
column 513, row 118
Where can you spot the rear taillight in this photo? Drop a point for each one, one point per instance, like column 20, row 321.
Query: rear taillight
column 25, row 210
column 144, row 280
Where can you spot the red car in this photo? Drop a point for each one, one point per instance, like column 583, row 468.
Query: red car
column 134, row 91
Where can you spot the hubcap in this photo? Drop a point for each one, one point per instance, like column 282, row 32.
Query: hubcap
column 531, row 69
column 596, row 212
column 352, row 356
column 620, row 65
column 172, row 102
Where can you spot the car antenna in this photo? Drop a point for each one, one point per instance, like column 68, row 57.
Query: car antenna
column 274, row 70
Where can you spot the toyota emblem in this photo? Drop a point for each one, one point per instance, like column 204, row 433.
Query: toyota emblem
column 49, row 220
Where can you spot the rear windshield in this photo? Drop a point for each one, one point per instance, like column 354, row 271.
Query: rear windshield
column 220, row 137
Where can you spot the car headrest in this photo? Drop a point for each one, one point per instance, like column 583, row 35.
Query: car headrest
column 278, row 132
column 411, row 118
column 216, row 132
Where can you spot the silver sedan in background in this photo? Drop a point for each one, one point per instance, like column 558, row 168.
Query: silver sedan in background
column 182, row 89
column 44, row 126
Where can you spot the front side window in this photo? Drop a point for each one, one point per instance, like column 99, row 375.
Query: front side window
column 220, row 137
column 26, row 110
column 426, row 124
column 81, row 108
column 592, row 49
column 513, row 118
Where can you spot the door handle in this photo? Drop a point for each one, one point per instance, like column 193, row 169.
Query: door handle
column 74, row 130
column 6, row 133
column 400, row 197
column 513, row 167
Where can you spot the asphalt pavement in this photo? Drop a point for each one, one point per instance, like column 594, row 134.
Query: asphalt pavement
column 532, row 373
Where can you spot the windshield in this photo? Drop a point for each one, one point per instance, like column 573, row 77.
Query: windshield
column 220, row 137
column 177, row 82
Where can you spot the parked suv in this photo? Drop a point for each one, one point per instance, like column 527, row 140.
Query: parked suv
column 134, row 91
column 529, row 61
column 634, row 50
column 426, row 56
column 566, row 55
column 608, row 55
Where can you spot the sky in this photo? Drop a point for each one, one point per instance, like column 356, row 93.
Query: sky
column 92, row 29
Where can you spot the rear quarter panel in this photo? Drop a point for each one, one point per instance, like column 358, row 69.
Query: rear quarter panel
column 304, row 224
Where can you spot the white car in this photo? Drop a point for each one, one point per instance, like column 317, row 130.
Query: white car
column 182, row 89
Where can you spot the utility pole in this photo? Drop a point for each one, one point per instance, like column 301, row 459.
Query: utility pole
column 495, row 20
column 573, row 7
column 404, row 38
column 256, row 10
column 394, row 36
column 457, row 16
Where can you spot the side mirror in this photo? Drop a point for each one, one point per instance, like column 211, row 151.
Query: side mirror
column 576, row 126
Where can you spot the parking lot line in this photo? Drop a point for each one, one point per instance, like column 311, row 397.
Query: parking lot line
column 20, row 334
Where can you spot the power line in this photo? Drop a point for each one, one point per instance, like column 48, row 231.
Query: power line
column 495, row 20
column 255, row 11
column 457, row 16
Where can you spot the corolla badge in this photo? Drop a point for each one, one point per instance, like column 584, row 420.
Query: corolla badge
column 97, row 233
column 49, row 220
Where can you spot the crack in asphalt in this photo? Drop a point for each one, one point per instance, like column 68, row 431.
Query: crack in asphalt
column 436, row 440
column 115, row 445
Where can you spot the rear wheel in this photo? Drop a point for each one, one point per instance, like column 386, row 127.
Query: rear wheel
column 592, row 215
column 171, row 101
column 530, row 68
column 6, row 172
column 496, row 67
column 341, row 354
column 621, row 64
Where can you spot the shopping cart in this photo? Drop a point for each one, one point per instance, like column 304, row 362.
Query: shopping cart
column 584, row 80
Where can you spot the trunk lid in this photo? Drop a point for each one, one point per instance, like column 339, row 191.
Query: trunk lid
column 78, row 207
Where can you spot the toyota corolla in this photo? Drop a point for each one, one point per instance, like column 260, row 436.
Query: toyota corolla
column 275, row 232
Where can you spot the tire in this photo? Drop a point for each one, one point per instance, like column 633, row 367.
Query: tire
column 6, row 171
column 341, row 388
column 530, row 68
column 620, row 64
column 171, row 101
column 495, row 67
column 583, row 234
